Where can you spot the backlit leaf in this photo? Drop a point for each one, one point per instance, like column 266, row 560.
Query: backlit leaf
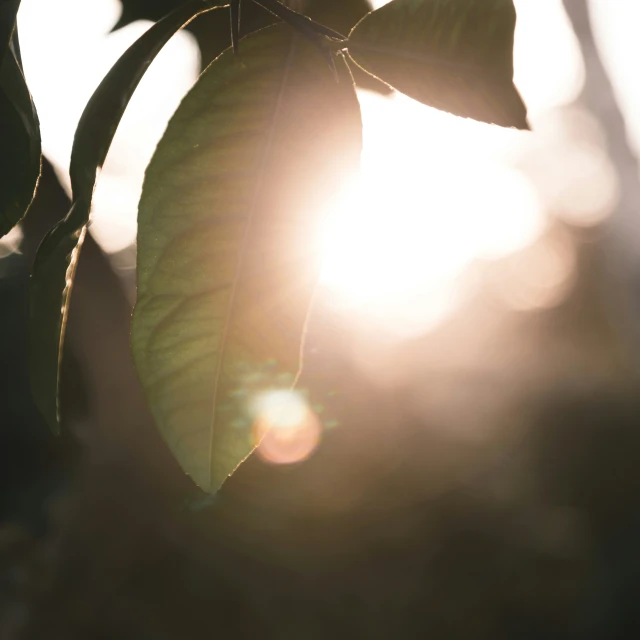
column 228, row 222
column 454, row 55
column 55, row 264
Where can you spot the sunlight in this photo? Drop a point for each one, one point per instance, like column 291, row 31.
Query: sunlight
column 436, row 192
column 424, row 207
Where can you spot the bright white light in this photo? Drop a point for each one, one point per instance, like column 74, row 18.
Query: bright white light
column 549, row 71
column 615, row 26
column 433, row 196
column 281, row 409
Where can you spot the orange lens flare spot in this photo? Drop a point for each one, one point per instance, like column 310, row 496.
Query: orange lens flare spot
column 287, row 429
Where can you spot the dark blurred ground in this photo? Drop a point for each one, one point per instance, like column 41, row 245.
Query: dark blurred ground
column 481, row 483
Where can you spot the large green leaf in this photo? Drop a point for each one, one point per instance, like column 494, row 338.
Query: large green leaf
column 226, row 225
column 19, row 144
column 455, row 55
column 55, row 264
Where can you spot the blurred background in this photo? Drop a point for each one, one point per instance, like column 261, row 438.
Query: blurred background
column 471, row 471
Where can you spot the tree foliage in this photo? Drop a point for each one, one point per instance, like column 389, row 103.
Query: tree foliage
column 226, row 270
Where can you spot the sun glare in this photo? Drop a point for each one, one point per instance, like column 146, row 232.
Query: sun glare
column 433, row 195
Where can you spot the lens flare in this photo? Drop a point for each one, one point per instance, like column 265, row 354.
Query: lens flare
column 285, row 426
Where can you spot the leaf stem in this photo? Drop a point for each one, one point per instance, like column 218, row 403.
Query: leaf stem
column 299, row 21
column 235, row 24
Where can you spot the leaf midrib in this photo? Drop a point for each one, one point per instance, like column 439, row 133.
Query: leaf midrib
column 432, row 60
column 243, row 248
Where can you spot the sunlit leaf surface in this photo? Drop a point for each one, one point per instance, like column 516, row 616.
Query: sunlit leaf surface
column 19, row 130
column 454, row 55
column 226, row 266
column 56, row 261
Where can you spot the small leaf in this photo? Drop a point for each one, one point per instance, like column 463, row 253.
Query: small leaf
column 19, row 144
column 226, row 226
column 55, row 264
column 454, row 55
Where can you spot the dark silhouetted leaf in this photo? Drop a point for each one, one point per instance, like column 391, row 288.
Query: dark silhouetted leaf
column 454, row 55
column 341, row 15
column 57, row 257
column 8, row 12
column 226, row 260
column 19, row 144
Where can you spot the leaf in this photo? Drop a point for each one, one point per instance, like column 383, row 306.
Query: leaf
column 226, row 225
column 454, row 55
column 56, row 261
column 341, row 15
column 19, row 146
column 8, row 12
